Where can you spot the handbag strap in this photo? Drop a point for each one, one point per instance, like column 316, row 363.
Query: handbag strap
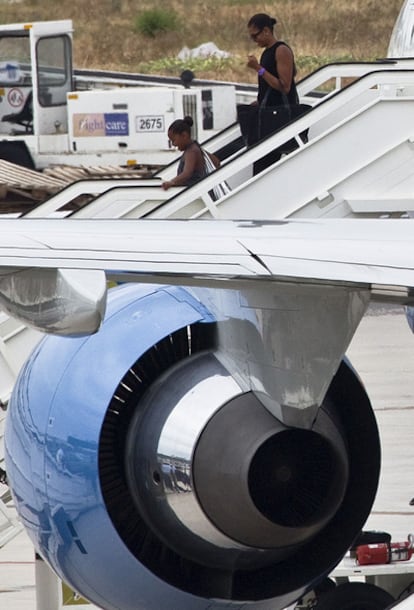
column 266, row 97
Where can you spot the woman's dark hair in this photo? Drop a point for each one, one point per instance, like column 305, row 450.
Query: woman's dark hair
column 261, row 21
column 182, row 125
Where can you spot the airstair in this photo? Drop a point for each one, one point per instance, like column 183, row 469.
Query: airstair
column 357, row 162
column 9, row 524
column 16, row 340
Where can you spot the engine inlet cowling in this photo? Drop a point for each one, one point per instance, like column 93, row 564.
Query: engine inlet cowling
column 226, row 487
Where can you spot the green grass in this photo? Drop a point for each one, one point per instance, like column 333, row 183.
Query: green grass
column 136, row 37
column 155, row 21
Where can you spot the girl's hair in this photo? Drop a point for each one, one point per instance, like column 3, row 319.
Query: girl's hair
column 182, row 125
column 262, row 20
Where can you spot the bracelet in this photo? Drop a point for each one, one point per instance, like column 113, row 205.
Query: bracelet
column 261, row 71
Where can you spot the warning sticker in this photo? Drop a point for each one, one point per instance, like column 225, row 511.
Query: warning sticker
column 15, row 97
column 71, row 598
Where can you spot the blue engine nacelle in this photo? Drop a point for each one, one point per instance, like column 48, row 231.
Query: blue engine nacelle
column 149, row 479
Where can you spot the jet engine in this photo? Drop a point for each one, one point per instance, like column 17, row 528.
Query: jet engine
column 148, row 477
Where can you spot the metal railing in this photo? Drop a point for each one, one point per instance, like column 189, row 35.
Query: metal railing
column 132, row 199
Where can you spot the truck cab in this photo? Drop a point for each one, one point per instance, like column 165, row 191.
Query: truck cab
column 35, row 77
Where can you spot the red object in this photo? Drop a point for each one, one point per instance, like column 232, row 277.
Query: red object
column 368, row 554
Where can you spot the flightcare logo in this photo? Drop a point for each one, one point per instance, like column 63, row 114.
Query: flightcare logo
column 86, row 125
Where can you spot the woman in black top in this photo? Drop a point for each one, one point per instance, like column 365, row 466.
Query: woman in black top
column 276, row 70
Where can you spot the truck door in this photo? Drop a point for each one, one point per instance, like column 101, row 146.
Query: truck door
column 52, row 81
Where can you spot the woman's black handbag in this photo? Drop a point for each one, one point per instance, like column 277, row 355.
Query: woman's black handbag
column 258, row 122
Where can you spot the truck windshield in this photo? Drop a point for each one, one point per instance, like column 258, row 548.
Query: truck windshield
column 15, row 65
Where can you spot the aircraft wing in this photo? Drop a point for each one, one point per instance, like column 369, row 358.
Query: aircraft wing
column 367, row 251
column 375, row 253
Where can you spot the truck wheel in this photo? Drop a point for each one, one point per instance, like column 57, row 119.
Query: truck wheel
column 355, row 596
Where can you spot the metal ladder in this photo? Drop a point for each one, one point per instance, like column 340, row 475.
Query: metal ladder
column 10, row 526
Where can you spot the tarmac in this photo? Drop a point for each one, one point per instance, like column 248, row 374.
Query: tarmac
column 382, row 352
